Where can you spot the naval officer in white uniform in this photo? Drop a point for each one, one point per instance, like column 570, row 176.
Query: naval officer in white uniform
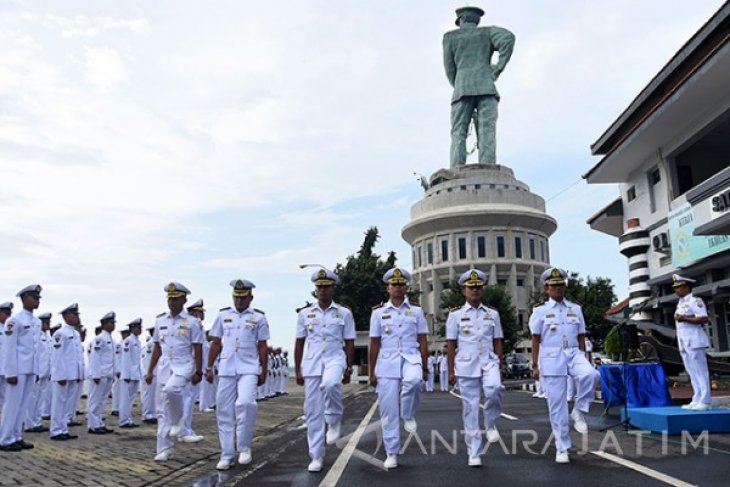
column 398, row 361
column 476, row 331
column 558, row 352
column 178, row 348
column 323, row 355
column 691, row 315
column 239, row 335
column 22, row 332
column 67, row 373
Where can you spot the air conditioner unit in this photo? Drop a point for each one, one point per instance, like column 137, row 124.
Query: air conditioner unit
column 660, row 242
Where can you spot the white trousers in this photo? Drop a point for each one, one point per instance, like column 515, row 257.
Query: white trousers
column 63, row 401
column 431, row 382
column 284, row 381
column 236, row 401
column 75, row 390
column 127, row 394
column 14, row 408
column 2, row 389
column 34, row 414
column 695, row 363
column 149, row 410
column 191, row 393
column 395, row 394
column 98, row 395
column 444, row 380
column 471, row 389
column 170, row 396
column 556, row 388
column 322, row 405
column 116, row 393
column 77, row 404
column 207, row 394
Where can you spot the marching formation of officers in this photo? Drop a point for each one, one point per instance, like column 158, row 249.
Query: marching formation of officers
column 43, row 369
column 231, row 367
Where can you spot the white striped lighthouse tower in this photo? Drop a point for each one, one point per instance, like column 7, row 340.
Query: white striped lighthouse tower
column 633, row 244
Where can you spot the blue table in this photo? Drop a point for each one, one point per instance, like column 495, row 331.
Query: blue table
column 642, row 385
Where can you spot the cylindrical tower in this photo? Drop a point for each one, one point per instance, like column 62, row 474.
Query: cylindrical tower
column 633, row 244
column 480, row 216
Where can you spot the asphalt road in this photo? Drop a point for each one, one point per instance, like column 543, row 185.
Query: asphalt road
column 436, row 455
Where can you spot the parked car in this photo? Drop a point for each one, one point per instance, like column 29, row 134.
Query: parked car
column 517, row 367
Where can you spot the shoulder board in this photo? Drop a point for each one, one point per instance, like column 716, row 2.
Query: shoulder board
column 256, row 309
column 225, row 309
column 345, row 306
column 303, row 307
column 539, row 304
column 161, row 314
column 413, row 302
column 379, row 305
column 455, row 308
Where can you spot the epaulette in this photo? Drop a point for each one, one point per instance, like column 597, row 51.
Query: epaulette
column 414, row 302
column 539, row 304
column 306, row 305
column 455, row 308
column 161, row 314
column 225, row 309
column 256, row 309
column 379, row 305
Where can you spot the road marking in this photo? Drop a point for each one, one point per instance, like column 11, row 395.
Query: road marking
column 338, row 468
column 504, row 415
column 642, row 469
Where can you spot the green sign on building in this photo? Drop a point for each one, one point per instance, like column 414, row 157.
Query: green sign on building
column 686, row 247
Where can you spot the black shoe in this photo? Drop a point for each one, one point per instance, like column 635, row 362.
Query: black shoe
column 115, row 413
column 61, row 437
column 11, row 447
column 24, row 444
column 150, row 421
column 128, row 425
column 46, row 418
column 73, row 423
column 106, row 430
column 97, row 431
column 37, row 429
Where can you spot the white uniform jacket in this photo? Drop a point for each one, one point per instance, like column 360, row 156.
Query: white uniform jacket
column 325, row 332
column 558, row 325
column 45, row 348
column 398, row 330
column 131, row 359
column 176, row 336
column 101, row 356
column 690, row 335
column 22, row 332
column 475, row 330
column 65, row 363
column 240, row 334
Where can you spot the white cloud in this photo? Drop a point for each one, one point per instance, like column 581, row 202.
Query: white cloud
column 105, row 69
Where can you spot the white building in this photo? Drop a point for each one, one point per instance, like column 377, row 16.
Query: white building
column 669, row 152
column 478, row 216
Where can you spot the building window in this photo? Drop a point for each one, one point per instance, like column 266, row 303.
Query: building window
column 420, row 261
column 429, row 250
column 518, row 247
column 462, row 248
column 481, row 247
column 653, row 178
column 532, row 248
column 502, row 282
column 542, row 251
column 520, row 282
column 500, row 246
column 631, row 194
column 444, row 250
column 477, row 186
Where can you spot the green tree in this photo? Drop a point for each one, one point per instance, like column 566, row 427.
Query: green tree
column 595, row 295
column 361, row 285
column 495, row 297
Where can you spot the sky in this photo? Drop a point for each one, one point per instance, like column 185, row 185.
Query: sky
column 200, row 142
